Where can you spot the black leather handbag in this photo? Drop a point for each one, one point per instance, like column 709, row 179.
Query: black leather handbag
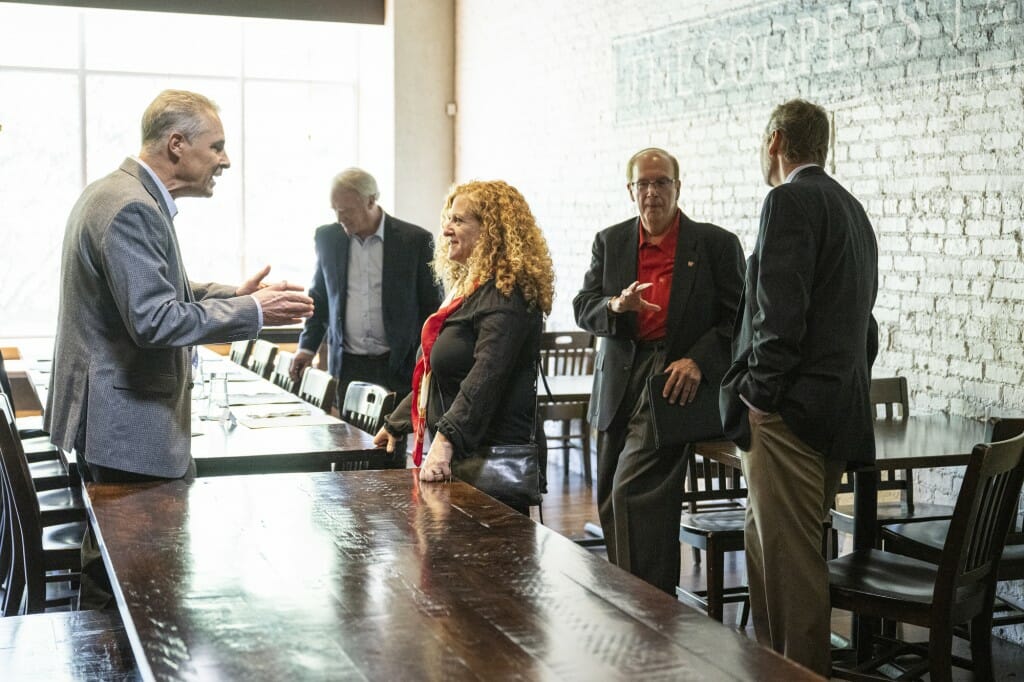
column 508, row 473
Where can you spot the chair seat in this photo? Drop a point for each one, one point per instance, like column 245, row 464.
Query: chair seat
column 38, row 449
column 61, row 505
column 882, row 575
column 729, row 521
column 49, row 474
column 62, row 546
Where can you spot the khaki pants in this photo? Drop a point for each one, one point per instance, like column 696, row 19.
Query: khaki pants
column 791, row 487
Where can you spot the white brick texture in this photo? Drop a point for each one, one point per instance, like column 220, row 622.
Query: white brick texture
column 928, row 102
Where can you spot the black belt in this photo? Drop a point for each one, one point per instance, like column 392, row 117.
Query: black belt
column 372, row 358
column 651, row 346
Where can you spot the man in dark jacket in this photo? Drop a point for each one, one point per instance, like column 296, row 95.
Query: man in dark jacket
column 372, row 290
column 662, row 290
column 797, row 394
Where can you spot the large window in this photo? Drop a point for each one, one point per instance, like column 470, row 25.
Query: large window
column 74, row 83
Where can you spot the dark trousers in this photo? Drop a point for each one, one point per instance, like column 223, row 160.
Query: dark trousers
column 95, row 591
column 374, row 369
column 639, row 487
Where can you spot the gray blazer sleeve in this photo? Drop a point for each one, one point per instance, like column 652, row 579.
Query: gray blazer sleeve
column 137, row 253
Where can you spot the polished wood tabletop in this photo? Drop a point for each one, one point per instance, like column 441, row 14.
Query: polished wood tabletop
column 918, row 442
column 231, row 447
column 373, row 575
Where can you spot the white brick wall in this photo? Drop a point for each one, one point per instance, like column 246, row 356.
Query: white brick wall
column 928, row 100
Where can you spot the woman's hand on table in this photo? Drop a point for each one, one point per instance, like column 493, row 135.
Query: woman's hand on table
column 437, row 466
column 383, row 438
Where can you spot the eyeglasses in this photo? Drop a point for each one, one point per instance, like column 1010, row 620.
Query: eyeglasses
column 659, row 185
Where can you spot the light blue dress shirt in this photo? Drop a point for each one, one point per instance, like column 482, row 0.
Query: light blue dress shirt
column 364, row 313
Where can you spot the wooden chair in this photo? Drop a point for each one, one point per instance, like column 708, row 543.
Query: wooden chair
column 568, row 354
column 40, row 563
column 239, row 353
column 925, row 539
column 366, row 405
column 261, row 358
column 281, row 374
column 891, row 400
column 317, row 388
column 713, row 520
column 959, row 589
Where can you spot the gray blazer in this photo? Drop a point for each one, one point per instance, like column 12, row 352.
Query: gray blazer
column 119, row 388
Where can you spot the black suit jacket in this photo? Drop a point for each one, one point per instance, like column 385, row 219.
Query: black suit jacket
column 706, row 285
column 805, row 340
column 408, row 290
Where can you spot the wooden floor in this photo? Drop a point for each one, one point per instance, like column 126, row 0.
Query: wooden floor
column 570, row 503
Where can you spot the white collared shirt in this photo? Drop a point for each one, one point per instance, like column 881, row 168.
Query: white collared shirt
column 364, row 311
column 792, row 173
column 172, row 208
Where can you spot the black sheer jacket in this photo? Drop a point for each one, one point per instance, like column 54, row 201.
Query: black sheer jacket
column 484, row 373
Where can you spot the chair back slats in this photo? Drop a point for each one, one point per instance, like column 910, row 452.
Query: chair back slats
column 890, row 400
column 281, row 374
column 890, row 396
column 366, row 405
column 239, row 353
column 1005, row 428
column 317, row 388
column 23, row 528
column 984, row 509
column 567, row 353
column 710, row 485
column 261, row 358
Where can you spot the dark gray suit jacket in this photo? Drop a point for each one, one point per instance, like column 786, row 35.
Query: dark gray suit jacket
column 806, row 339
column 121, row 378
column 706, row 286
column 409, row 294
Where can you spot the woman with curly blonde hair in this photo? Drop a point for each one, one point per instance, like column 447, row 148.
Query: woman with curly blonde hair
column 475, row 382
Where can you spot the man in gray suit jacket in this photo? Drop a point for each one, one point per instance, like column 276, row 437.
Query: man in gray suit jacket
column 372, row 290
column 797, row 394
column 662, row 290
column 129, row 317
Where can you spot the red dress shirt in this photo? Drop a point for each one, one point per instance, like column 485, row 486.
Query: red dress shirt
column 655, row 264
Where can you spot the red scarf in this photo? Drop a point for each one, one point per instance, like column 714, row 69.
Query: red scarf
column 421, row 374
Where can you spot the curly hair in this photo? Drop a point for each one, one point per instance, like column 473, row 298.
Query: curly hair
column 511, row 249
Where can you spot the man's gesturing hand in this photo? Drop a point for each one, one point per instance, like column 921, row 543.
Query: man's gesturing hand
column 283, row 303
column 630, row 300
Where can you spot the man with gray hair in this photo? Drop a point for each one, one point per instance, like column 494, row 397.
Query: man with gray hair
column 129, row 317
column 372, row 290
column 797, row 396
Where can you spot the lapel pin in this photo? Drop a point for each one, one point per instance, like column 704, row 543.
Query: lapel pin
column 689, row 264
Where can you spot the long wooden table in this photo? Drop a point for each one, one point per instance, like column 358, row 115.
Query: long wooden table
column 286, row 444
column 371, row 575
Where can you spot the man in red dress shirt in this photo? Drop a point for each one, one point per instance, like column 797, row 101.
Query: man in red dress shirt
column 662, row 290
